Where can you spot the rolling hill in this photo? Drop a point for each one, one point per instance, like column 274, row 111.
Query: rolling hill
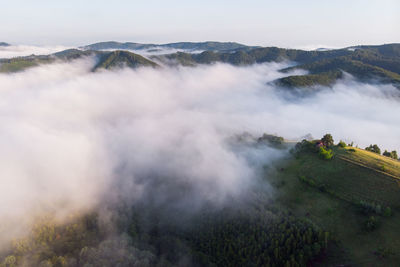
column 366, row 63
column 120, row 59
column 352, row 196
column 376, row 64
column 106, row 60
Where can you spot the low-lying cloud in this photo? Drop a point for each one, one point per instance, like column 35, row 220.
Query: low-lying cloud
column 71, row 139
column 27, row 50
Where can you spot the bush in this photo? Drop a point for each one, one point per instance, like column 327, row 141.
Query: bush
column 304, row 146
column 368, row 207
column 372, row 223
column 308, row 181
column 387, row 212
column 374, row 148
column 352, row 150
column 325, row 154
column 392, row 154
column 342, row 144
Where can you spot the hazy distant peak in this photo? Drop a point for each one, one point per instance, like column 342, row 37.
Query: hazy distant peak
column 205, row 46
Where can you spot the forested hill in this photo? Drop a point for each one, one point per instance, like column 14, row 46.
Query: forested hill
column 106, row 60
column 324, row 67
column 366, row 63
column 202, row 46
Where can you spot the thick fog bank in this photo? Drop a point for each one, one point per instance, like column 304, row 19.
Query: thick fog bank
column 71, row 139
column 27, row 50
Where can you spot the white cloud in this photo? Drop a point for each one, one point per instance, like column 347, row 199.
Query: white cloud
column 27, row 50
column 71, row 138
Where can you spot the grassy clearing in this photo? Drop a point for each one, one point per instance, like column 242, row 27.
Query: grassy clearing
column 333, row 205
column 372, row 160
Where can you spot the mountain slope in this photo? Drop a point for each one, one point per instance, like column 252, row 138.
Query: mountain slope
column 120, row 59
column 366, row 63
column 341, row 195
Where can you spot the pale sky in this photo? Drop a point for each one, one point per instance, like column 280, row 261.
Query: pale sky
column 284, row 23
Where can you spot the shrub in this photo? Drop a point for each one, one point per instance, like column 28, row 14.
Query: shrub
column 372, row 223
column 374, row 148
column 387, row 212
column 308, row 181
column 325, row 154
column 342, row 144
column 304, row 145
column 367, row 207
column 392, row 154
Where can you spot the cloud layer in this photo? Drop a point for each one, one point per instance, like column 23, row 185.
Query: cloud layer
column 71, row 139
column 27, row 50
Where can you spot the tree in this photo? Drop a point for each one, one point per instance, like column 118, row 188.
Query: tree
column 374, row 148
column 327, row 140
column 392, row 154
column 387, row 154
column 342, row 144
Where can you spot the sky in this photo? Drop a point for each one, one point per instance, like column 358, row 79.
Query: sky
column 285, row 23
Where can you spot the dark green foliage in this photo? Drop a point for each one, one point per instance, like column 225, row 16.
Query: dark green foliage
column 308, row 80
column 327, row 140
column 372, row 223
column 271, row 139
column 370, row 207
column 387, row 212
column 365, row 63
column 256, row 241
column 304, row 146
column 70, row 54
column 307, row 180
column 120, row 59
column 373, row 148
column 107, row 60
column 392, row 154
column 342, row 144
column 325, row 67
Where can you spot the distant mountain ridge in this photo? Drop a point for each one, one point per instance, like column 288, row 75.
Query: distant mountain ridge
column 208, row 46
column 4, row 44
column 378, row 63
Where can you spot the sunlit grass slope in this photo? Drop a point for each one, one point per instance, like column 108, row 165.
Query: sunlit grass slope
column 329, row 193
